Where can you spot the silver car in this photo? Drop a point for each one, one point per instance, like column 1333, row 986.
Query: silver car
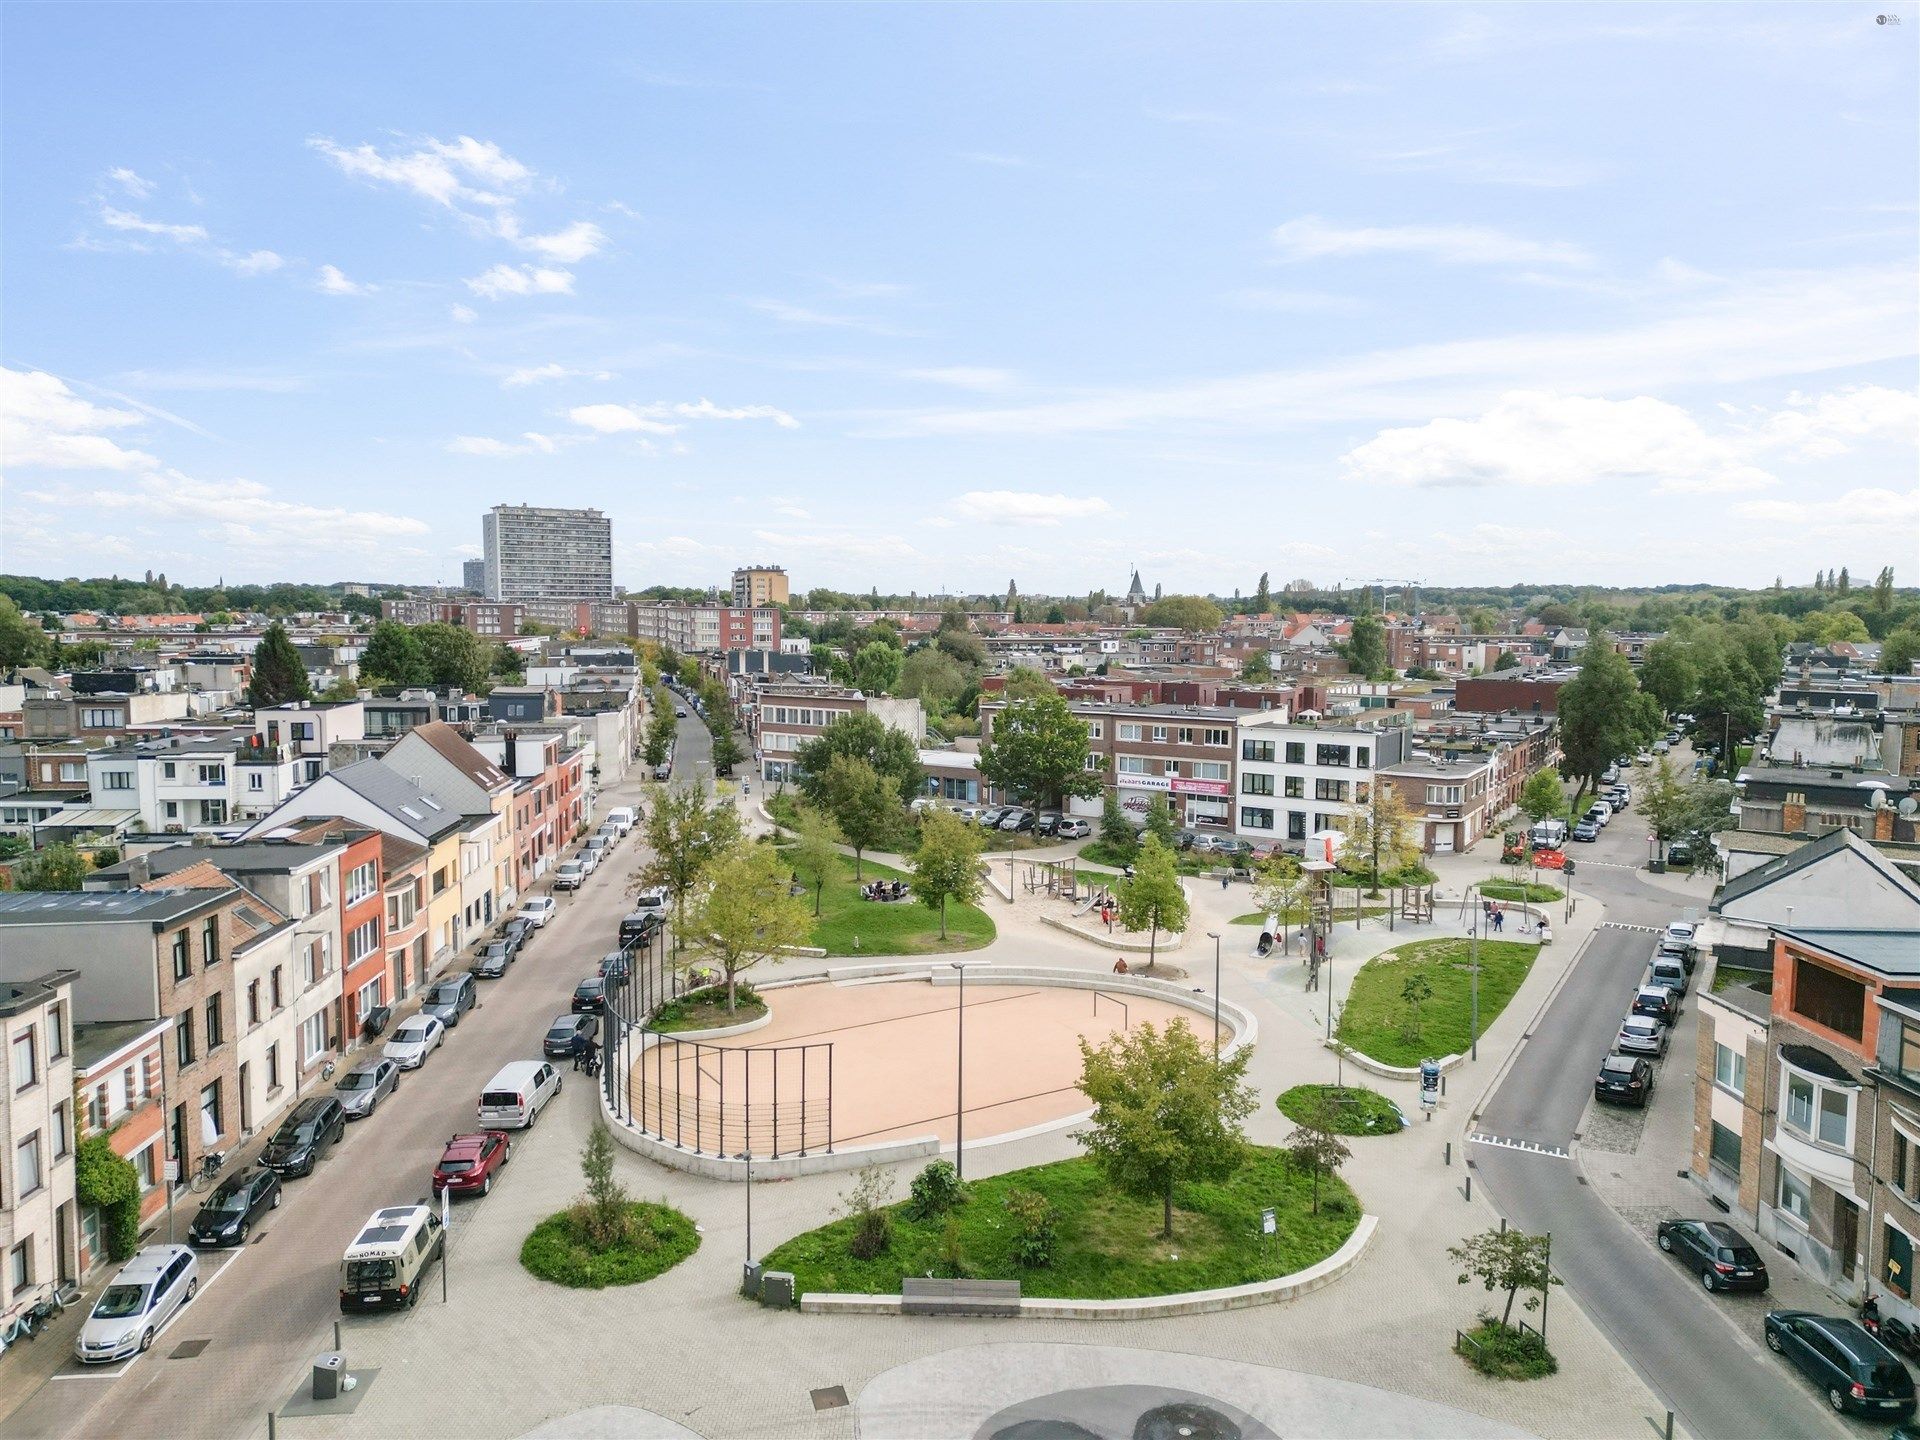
column 409, row 1044
column 1642, row 1035
column 365, row 1086
column 147, row 1292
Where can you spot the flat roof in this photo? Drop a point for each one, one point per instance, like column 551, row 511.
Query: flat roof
column 26, row 907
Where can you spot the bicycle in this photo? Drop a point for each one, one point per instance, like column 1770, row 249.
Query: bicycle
column 29, row 1320
column 210, row 1164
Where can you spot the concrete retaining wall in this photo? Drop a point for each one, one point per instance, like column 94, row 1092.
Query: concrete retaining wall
column 1152, row 1307
column 1121, row 940
column 1392, row 1072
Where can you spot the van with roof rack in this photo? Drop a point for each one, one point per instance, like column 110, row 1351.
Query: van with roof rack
column 382, row 1268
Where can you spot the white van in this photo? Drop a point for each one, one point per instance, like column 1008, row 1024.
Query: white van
column 652, row 900
column 621, row 818
column 514, row 1098
column 1547, row 834
column 383, row 1265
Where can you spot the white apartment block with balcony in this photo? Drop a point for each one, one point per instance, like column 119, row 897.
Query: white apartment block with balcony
column 1298, row 777
column 181, row 785
column 310, row 731
column 538, row 552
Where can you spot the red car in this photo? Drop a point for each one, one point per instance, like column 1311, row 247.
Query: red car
column 471, row 1161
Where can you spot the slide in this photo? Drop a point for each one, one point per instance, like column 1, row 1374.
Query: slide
column 1268, row 933
column 1088, row 903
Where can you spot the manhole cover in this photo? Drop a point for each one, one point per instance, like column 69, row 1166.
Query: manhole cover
column 187, row 1349
column 831, row 1398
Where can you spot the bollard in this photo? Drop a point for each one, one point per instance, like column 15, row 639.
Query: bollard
column 1449, row 1152
column 1469, row 1189
column 336, row 1336
column 1669, row 1425
column 272, row 1429
column 1443, row 1082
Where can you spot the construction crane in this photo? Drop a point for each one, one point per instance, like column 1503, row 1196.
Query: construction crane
column 1410, row 589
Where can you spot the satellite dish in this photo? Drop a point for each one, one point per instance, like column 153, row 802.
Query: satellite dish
column 1908, row 806
column 1879, row 799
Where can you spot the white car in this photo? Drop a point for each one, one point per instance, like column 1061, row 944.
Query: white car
column 567, row 877
column 1680, row 932
column 144, row 1296
column 410, row 1044
column 652, row 900
column 539, row 910
column 588, row 860
column 1073, row 829
column 1645, row 757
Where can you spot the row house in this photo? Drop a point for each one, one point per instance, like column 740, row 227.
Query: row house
column 310, row 730
column 180, row 785
column 1796, row 800
column 1449, row 798
column 390, row 718
column 403, row 890
column 782, row 716
column 442, row 763
column 39, row 1223
column 117, row 1072
column 701, row 629
column 362, row 942
column 550, row 800
column 1299, row 777
column 490, row 619
column 1511, row 694
column 99, row 718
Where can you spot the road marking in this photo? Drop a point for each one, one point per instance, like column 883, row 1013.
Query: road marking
column 204, row 1286
column 1622, row 925
column 1525, row 1147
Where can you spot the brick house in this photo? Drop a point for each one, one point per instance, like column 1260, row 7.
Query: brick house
column 1449, row 797
column 117, row 1071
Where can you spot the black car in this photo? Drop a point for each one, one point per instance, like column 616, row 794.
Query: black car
column 1860, row 1375
column 493, row 961
column 635, row 928
column 559, row 1042
column 1716, row 1252
column 311, row 1128
column 1183, row 840
column 1656, row 1002
column 590, row 996
column 228, row 1215
column 517, row 933
column 1624, row 1080
column 1047, row 825
column 1680, row 853
column 615, row 968
column 451, row 997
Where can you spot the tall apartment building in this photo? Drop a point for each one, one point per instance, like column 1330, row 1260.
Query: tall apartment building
column 535, row 551
column 755, row 585
column 473, row 576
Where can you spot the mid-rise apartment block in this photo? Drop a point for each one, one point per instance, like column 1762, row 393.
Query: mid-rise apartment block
column 1299, row 777
column 39, row 1223
column 757, row 585
column 783, row 716
column 540, row 551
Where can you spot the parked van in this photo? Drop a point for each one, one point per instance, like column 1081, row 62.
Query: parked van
column 1668, row 970
column 621, row 817
column 636, row 927
column 1547, row 834
column 514, row 1098
column 383, row 1266
column 664, row 770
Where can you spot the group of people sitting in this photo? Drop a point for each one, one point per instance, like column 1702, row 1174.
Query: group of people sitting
column 884, row 890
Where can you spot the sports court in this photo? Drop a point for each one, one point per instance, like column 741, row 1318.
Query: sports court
column 847, row 1065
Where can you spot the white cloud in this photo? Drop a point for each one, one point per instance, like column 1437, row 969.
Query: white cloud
column 705, row 409
column 131, row 182
column 1820, row 426
column 483, row 445
column 1311, row 238
column 618, row 419
column 242, row 512
column 521, row 280
column 965, row 377
column 1533, row 438
column 332, row 282
column 568, row 246
column 1021, row 507
column 1871, row 510
column 654, row 419
column 535, row 374
column 440, row 171
column 463, row 314
column 43, row 424
column 255, row 262
column 126, row 221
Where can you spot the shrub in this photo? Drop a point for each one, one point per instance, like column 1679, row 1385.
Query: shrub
column 1506, row 1352
column 651, row 1239
column 1350, row 1109
column 952, row 1258
column 108, row 1182
column 682, row 1007
column 865, row 1204
column 1033, row 1231
column 936, row 1190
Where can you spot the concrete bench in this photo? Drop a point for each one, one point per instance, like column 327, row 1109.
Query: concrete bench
column 959, row 1297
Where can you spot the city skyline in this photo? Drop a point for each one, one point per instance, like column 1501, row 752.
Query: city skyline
column 1455, row 294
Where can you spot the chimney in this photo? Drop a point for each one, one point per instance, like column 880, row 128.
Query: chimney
column 1793, row 813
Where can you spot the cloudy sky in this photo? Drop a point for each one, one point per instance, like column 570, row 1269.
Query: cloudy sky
column 929, row 298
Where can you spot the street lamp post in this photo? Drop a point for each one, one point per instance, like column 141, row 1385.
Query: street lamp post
column 747, row 1269
column 1214, row 936
column 960, row 1074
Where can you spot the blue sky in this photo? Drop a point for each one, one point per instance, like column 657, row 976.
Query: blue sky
column 932, row 298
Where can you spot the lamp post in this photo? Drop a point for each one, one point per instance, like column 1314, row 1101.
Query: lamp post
column 1473, row 984
column 960, row 1073
column 746, row 1270
column 1214, row 936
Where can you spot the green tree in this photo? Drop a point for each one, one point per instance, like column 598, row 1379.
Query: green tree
column 934, row 678
column 686, row 836
column 661, row 727
column 1262, row 596
column 1165, row 1112
column 1899, row 650
column 394, row 655
column 1160, row 823
column 279, row 674
column 454, row 657
column 1259, row 668
column 1415, row 991
column 745, row 914
column 1366, row 648
column 1509, row 1260
column 815, row 851
column 1194, row 614
column 21, row 642
column 1507, row 661
column 1883, row 590
column 1598, row 717
column 508, row 664
column 876, row 668
column 1278, row 884
column 947, row 865
column 1116, row 831
column 727, row 752
column 1379, row 836
column 57, row 867
column 862, row 802
column 1670, row 674
column 606, row 1204
column 963, row 647
column 1541, row 798
column 1314, row 1149
column 1037, row 752
column 865, row 737
column 1023, row 682
column 1153, row 899
column 1055, row 615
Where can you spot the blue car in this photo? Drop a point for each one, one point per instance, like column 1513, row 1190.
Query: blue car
column 1859, row 1375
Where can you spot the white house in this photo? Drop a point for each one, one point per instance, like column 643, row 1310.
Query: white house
column 179, row 785
column 1297, row 777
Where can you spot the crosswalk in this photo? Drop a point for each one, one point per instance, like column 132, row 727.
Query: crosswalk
column 1525, row 1147
column 1623, row 925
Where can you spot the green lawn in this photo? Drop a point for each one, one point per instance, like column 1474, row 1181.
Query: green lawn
column 1354, row 1109
column 1372, row 1020
column 1518, row 890
column 898, row 927
column 1108, row 1244
column 1297, row 915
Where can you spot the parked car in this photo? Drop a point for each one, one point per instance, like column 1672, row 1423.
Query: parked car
column 1185, row 839
column 990, row 817
column 635, row 928
column 1586, row 830
column 1017, row 820
column 516, row 933
column 1668, row 970
column 1656, row 1002
column 451, row 997
column 514, row 1098
column 1073, row 828
column 1624, row 1080
column 599, row 846
column 144, row 1296
column 469, row 1163
column 362, row 1088
column 1645, row 757
column 1619, row 796
column 654, row 898
column 969, row 813
column 1600, row 812
column 615, row 968
column 1679, row 934
column 621, row 818
column 570, row 875
column 588, row 860
column 539, row 910
column 384, row 1264
column 1680, row 852
column 1661, row 747
column 493, row 960
column 558, row 1044
column 1046, row 825
column 417, row 1036
column 1610, row 774
column 1642, row 1035
column 227, row 1217
column 590, row 996
column 1715, row 1251
column 311, row 1128
column 1859, row 1374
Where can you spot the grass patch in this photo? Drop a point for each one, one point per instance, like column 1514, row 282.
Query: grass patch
column 1107, row 1245
column 1372, row 1020
column 1505, row 1352
column 1518, row 890
column 897, row 927
column 1186, row 862
column 707, row 1010
column 1726, row 976
column 1297, row 915
column 658, row 1238
column 1355, row 1110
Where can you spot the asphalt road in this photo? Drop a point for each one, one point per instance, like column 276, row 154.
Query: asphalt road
column 266, row 1309
column 1719, row 1381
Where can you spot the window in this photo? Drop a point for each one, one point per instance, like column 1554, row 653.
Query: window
column 182, row 955
column 1330, row 789
column 26, row 1060
column 1296, row 787
column 213, row 812
column 1828, row 998
column 361, row 881
column 62, row 1129
column 313, row 1037
column 1128, row 730
column 210, row 1126
column 1730, row 1069
column 1820, row 1112
column 168, row 770
column 1796, row 1196
column 1296, row 752
column 214, row 1028
column 362, row 941
column 1332, row 755
column 1444, row 794
column 116, row 780
column 368, row 997
column 147, row 1164
column 1723, row 1148
column 1216, row 737
column 1132, row 764
column 440, row 880
column 212, row 774
column 1260, row 750
column 210, row 941
column 1208, row 769
column 255, row 780
column 1296, row 825
column 98, row 719
column 1897, row 1274
column 1800, row 1103
column 253, row 1002
column 273, row 1068
column 1836, row 1116
column 1363, row 757
column 183, row 1040
column 20, row 1266
column 1256, row 784
column 1255, row 819
column 277, row 988
column 26, row 1167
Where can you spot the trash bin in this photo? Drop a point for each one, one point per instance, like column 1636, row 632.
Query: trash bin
column 1658, row 867
column 329, row 1367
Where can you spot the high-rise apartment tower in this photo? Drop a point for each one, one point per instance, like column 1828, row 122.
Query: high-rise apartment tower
column 538, row 552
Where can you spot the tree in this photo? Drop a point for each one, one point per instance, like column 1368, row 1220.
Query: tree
column 661, row 727
column 1509, row 1260
column 394, row 655
column 1160, row 823
column 962, row 646
column 1262, row 596
column 57, row 867
column 933, row 677
column 1708, row 809
column 1315, row 1149
column 1055, row 615
column 1366, row 648
column 876, row 668
column 1507, row 661
column 21, row 643
column 1670, row 673
column 1165, row 1112
column 1883, row 590
column 815, row 851
column 1664, row 802
column 1258, row 669
column 947, row 865
column 745, row 914
column 1116, row 831
column 861, row 736
column 279, row 674
column 1153, row 899
column 862, row 802
column 606, row 1204
column 726, row 751
column 508, row 664
column 1415, row 991
column 1598, row 718
column 1278, row 885
column 455, row 658
column 1379, row 835
column 686, row 836
column 1541, row 798
column 1194, row 614
column 1899, row 650
column 1023, row 682
column 1037, row 752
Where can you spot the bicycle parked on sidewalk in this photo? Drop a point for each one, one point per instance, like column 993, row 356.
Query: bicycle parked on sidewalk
column 27, row 1320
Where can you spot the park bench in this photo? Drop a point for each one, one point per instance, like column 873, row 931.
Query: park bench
column 959, row 1297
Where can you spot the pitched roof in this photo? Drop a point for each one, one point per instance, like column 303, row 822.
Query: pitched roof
column 1890, row 952
column 1781, row 866
column 453, row 748
column 387, row 789
column 55, row 907
column 253, row 917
